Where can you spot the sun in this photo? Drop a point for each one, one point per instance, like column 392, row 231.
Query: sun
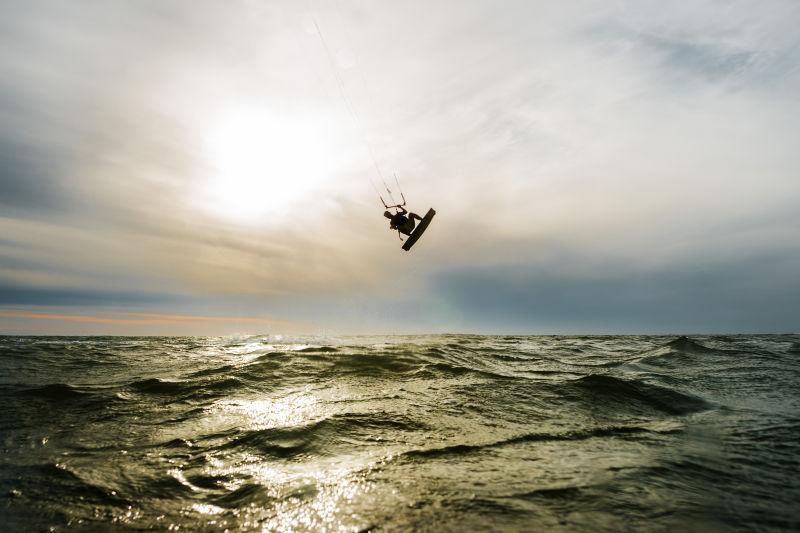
column 262, row 164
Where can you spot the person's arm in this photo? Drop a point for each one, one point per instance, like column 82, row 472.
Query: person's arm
column 399, row 235
column 401, row 208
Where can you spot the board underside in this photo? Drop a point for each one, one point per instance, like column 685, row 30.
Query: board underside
column 419, row 230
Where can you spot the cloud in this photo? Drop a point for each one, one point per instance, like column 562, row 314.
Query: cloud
column 32, row 295
column 756, row 295
column 623, row 134
column 27, row 182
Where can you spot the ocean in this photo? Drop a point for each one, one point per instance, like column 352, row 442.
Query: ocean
column 400, row 433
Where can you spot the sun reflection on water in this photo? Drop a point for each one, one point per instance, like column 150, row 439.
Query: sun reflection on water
column 307, row 492
column 289, row 411
column 322, row 501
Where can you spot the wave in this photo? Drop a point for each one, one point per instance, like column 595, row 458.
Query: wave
column 618, row 395
column 71, row 395
column 443, row 368
column 209, row 481
column 158, row 386
column 197, row 388
column 482, row 506
column 317, row 349
column 257, row 368
column 57, row 391
column 373, row 365
column 390, row 363
column 460, row 449
column 316, row 437
column 678, row 354
column 243, row 496
column 328, row 362
column 551, row 493
column 214, row 371
column 56, row 475
column 687, row 345
column 161, row 486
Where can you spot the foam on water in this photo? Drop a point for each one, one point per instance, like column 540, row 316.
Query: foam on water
column 447, row 432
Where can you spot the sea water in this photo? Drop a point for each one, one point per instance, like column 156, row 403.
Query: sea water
column 436, row 433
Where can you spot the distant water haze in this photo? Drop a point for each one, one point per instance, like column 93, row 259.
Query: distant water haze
column 400, row 433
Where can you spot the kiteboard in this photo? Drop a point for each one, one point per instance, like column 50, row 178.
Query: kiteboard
column 419, row 230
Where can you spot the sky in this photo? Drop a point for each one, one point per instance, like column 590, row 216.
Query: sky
column 210, row 168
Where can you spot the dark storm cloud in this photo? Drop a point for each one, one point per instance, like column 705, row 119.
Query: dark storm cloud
column 26, row 178
column 34, row 142
column 16, row 295
column 32, row 149
column 761, row 294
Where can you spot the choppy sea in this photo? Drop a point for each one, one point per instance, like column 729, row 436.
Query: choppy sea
column 425, row 433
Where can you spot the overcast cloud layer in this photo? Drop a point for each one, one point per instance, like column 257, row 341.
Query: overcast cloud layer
column 596, row 166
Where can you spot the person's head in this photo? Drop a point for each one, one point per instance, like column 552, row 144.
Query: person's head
column 387, row 214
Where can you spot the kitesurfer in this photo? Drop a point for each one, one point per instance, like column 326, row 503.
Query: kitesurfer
column 402, row 223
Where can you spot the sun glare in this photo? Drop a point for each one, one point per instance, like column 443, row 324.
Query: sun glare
column 263, row 164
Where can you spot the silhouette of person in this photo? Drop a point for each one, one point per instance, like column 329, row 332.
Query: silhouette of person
column 402, row 223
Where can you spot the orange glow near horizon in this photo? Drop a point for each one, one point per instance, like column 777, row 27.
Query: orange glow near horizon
column 141, row 319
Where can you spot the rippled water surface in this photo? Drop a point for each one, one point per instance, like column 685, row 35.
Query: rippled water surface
column 447, row 432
